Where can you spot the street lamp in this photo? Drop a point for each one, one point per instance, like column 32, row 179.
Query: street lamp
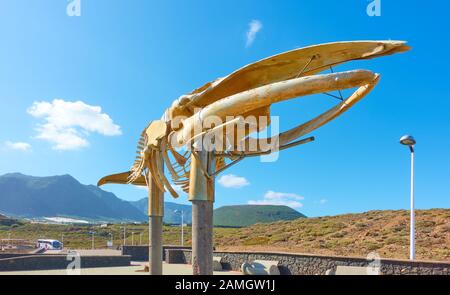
column 182, row 225
column 93, row 242
column 111, row 239
column 409, row 141
column 124, row 235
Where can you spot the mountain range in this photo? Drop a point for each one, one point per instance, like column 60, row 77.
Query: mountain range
column 63, row 196
column 172, row 211
column 32, row 197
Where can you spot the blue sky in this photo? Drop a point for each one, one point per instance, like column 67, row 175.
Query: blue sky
column 132, row 58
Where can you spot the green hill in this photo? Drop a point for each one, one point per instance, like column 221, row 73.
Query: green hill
column 227, row 216
column 245, row 215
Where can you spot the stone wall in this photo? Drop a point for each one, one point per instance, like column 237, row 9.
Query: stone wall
column 140, row 253
column 137, row 253
column 58, row 261
column 175, row 256
column 302, row 264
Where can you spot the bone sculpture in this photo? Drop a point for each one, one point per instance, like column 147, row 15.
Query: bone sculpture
column 249, row 91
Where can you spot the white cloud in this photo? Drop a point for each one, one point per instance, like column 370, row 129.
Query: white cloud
column 178, row 189
column 18, row 146
column 233, row 181
column 253, row 28
column 323, row 201
column 277, row 198
column 67, row 124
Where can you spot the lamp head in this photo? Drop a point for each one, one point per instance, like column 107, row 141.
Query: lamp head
column 407, row 140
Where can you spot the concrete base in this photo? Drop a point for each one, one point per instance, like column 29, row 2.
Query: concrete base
column 202, row 237
column 156, row 247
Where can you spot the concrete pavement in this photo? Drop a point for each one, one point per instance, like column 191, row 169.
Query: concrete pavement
column 135, row 269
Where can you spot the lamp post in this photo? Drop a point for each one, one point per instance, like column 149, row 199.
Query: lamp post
column 182, row 225
column 124, row 235
column 409, row 141
column 93, row 241
column 112, row 239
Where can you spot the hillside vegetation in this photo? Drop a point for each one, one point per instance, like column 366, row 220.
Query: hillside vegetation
column 245, row 215
column 386, row 232
column 226, row 216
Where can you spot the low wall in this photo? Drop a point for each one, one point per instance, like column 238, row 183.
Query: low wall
column 304, row 264
column 12, row 255
column 48, row 262
column 140, row 253
column 137, row 253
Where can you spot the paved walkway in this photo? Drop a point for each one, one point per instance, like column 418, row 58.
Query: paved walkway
column 135, row 269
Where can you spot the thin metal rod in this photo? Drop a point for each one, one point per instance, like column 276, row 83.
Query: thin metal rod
column 286, row 146
column 412, row 250
column 307, row 64
column 334, row 96
column 298, row 142
column 340, row 92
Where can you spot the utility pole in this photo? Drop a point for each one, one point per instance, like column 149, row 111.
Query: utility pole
column 124, row 236
column 182, row 228
column 93, row 239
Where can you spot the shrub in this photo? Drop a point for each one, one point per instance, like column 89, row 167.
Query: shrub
column 255, row 241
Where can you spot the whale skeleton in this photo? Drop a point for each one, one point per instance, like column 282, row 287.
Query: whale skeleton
column 249, row 91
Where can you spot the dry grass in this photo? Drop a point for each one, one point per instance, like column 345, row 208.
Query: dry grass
column 386, row 232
